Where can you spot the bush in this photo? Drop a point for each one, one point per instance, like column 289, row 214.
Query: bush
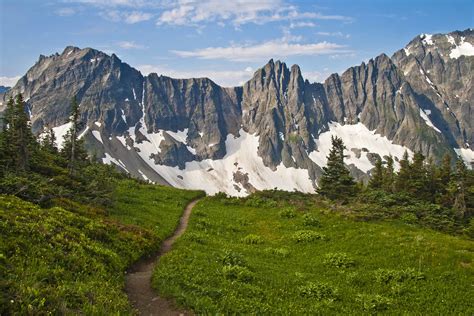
column 237, row 273
column 304, row 236
column 386, row 276
column 279, row 252
column 232, row 258
column 319, row 291
column 252, row 239
column 287, row 213
column 373, row 303
column 338, row 260
column 311, row 220
column 196, row 237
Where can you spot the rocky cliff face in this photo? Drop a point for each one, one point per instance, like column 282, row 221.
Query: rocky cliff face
column 272, row 132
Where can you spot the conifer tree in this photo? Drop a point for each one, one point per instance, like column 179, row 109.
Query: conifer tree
column 18, row 141
column 336, row 181
column 457, row 188
column 417, row 184
column 403, row 176
column 48, row 142
column 388, row 175
column 376, row 181
column 73, row 148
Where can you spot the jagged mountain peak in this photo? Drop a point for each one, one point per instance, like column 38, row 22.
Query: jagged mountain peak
column 193, row 133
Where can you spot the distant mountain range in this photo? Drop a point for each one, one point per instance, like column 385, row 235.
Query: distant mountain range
column 4, row 89
column 275, row 130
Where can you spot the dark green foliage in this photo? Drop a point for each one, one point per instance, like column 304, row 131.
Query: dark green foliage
column 318, row 291
column 376, row 180
column 336, row 183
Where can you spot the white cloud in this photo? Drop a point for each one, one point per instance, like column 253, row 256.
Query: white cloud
column 127, row 17
column 135, row 17
column 294, row 25
column 225, row 78
column 114, row 3
column 9, row 81
column 65, row 11
column 263, row 51
column 238, row 12
column 129, row 45
column 335, row 34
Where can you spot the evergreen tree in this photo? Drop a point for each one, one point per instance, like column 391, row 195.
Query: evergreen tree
column 417, row 185
column 48, row 143
column 376, row 181
column 403, row 176
column 19, row 142
column 336, row 181
column 458, row 188
column 388, row 175
column 73, row 148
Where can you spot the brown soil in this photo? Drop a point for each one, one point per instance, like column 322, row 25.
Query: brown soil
column 138, row 280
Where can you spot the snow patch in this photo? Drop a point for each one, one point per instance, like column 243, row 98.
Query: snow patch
column 463, row 48
column 97, row 136
column 467, row 155
column 124, row 118
column 98, row 124
column 355, row 136
column 427, row 39
column 109, row 160
column 143, row 175
column 424, row 115
column 60, row 132
column 451, row 39
column 241, row 156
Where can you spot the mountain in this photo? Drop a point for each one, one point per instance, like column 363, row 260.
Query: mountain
column 275, row 130
column 4, row 89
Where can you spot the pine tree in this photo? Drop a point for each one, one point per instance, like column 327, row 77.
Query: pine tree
column 458, row 189
column 48, row 143
column 417, row 185
column 403, row 176
column 388, row 175
column 376, row 181
column 18, row 140
column 73, row 148
column 336, row 182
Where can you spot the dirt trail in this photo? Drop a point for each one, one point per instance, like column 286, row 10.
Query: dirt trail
column 138, row 280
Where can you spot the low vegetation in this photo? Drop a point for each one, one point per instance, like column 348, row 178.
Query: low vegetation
column 317, row 260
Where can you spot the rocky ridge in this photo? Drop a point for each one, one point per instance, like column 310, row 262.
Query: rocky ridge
column 274, row 131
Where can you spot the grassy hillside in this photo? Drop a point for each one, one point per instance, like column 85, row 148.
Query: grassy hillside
column 72, row 259
column 297, row 256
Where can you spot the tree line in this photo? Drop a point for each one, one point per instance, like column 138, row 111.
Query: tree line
column 35, row 169
column 445, row 189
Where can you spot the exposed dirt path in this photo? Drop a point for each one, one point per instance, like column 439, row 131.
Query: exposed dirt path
column 138, row 280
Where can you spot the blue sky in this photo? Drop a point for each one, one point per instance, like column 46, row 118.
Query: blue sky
column 224, row 40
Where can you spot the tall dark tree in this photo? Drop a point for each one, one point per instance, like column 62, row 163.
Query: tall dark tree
column 336, row 181
column 403, row 176
column 458, row 189
column 388, row 175
column 376, row 180
column 48, row 141
column 73, row 148
column 19, row 142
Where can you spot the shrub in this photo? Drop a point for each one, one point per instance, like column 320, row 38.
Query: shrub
column 303, row 236
column 252, row 239
column 287, row 213
column 387, row 276
column 319, row 291
column 279, row 252
column 237, row 273
column 196, row 237
column 310, row 220
column 232, row 258
column 373, row 303
column 338, row 260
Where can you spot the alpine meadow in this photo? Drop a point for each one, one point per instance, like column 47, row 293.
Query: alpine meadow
column 212, row 178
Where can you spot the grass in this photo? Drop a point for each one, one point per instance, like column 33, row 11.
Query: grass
column 256, row 256
column 72, row 259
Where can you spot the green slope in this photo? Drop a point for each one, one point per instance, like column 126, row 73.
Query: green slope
column 61, row 261
column 264, row 256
